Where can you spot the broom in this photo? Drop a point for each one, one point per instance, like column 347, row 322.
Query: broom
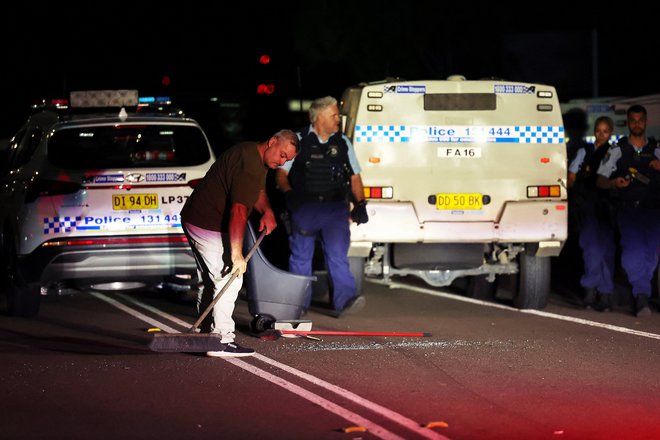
column 193, row 342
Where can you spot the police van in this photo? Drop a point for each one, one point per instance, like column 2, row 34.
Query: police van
column 463, row 179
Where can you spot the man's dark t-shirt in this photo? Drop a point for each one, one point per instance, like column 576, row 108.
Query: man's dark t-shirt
column 237, row 176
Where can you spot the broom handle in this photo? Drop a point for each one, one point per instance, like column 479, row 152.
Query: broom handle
column 234, row 275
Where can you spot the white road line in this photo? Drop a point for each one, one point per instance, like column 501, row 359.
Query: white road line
column 455, row 297
column 134, row 313
column 373, row 428
column 155, row 310
column 394, row 416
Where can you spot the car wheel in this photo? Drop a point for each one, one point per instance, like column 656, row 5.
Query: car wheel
column 23, row 300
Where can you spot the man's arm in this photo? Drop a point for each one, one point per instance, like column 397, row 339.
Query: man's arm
column 267, row 215
column 237, row 222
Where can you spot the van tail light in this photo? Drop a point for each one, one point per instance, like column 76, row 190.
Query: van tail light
column 378, row 192
column 44, row 188
column 534, row 192
column 193, row 183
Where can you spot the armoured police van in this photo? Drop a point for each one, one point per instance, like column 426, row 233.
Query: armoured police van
column 463, row 179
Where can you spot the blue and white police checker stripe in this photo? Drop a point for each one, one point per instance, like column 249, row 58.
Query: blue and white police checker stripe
column 55, row 225
column 60, row 224
column 520, row 134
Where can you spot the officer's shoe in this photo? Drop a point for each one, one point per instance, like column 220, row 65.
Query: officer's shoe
column 589, row 298
column 353, row 305
column 604, row 303
column 642, row 305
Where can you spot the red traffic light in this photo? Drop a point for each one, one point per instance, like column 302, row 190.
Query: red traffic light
column 264, row 59
column 266, row 89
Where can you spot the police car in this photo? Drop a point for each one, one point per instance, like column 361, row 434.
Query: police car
column 91, row 193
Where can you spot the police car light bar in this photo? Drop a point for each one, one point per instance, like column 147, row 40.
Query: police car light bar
column 154, row 100
column 52, row 103
column 104, row 98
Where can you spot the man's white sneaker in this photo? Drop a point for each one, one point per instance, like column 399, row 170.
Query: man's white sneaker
column 232, row 350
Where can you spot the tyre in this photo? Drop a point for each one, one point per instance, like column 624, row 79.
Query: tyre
column 532, row 282
column 261, row 323
column 478, row 287
column 23, row 300
column 357, row 269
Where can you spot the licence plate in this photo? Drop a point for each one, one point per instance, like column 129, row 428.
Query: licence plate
column 125, row 202
column 458, row 201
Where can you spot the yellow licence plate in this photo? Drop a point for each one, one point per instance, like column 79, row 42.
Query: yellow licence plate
column 458, row 201
column 125, row 202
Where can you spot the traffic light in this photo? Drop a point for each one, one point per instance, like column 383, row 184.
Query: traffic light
column 266, row 89
column 265, row 82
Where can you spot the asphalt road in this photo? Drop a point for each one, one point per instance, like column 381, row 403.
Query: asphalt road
column 83, row 370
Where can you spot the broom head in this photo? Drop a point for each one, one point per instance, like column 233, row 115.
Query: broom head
column 186, row 342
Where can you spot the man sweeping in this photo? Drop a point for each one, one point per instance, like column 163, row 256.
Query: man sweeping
column 214, row 219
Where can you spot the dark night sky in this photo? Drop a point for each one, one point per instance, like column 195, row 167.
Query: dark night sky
column 318, row 47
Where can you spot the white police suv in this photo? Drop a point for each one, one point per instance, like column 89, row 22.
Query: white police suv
column 91, row 193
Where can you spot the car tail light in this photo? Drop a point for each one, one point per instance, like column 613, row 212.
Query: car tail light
column 44, row 188
column 117, row 241
column 193, row 183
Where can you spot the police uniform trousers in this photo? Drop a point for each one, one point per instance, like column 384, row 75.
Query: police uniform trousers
column 330, row 221
column 596, row 239
column 640, row 238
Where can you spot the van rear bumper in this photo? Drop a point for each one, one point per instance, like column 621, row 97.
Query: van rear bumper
column 519, row 222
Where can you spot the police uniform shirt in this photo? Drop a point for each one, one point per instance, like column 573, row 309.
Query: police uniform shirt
column 608, row 166
column 352, row 158
column 576, row 163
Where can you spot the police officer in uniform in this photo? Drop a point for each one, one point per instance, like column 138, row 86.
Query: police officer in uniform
column 595, row 224
column 632, row 168
column 318, row 187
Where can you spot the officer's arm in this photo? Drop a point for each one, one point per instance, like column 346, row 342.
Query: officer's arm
column 282, row 180
column 605, row 183
column 357, row 188
column 570, row 179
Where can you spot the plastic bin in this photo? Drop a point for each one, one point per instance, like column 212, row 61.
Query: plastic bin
column 273, row 294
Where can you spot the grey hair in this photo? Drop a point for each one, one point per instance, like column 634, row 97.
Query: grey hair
column 318, row 105
column 289, row 136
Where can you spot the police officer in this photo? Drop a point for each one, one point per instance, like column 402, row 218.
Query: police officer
column 317, row 187
column 595, row 225
column 632, row 167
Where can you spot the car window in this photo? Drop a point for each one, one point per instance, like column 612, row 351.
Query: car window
column 128, row 146
column 26, row 147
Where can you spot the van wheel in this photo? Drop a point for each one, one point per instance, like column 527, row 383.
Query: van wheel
column 357, row 269
column 532, row 282
column 479, row 288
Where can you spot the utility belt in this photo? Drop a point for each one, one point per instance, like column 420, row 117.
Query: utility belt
column 643, row 204
column 329, row 197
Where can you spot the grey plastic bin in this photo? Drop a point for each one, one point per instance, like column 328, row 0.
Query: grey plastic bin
column 273, row 294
